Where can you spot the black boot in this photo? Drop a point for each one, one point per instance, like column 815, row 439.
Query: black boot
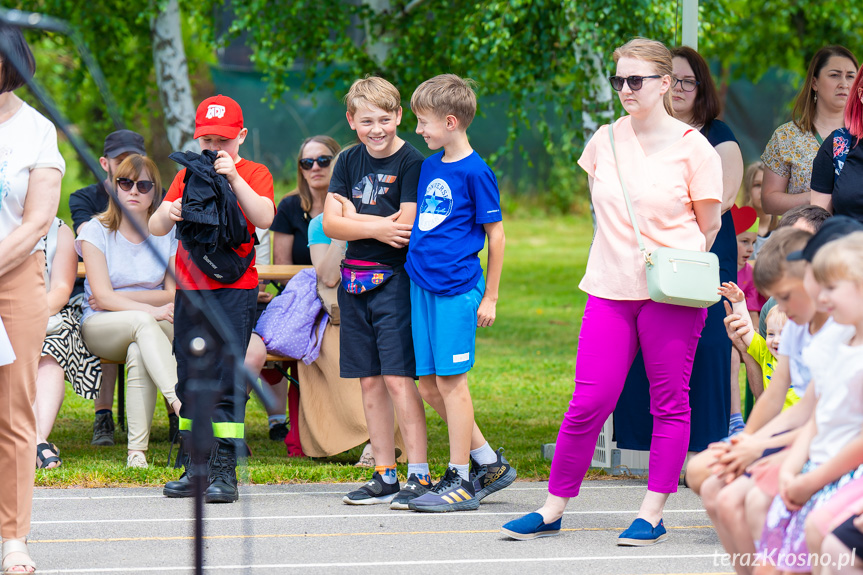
column 223, row 475
column 185, row 486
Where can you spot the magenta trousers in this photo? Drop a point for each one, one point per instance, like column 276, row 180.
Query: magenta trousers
column 611, row 334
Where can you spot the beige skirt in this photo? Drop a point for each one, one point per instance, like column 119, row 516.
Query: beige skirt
column 331, row 418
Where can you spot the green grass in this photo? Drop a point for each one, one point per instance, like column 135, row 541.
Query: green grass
column 521, row 384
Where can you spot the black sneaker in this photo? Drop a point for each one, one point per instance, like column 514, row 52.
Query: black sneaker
column 103, row 430
column 452, row 494
column 223, row 475
column 279, row 432
column 375, row 491
column 412, row 489
column 492, row 477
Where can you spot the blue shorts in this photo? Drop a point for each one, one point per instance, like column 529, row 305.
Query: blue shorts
column 444, row 330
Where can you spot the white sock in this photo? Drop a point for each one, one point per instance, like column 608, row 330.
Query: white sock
column 484, row 455
column 421, row 470
column 463, row 470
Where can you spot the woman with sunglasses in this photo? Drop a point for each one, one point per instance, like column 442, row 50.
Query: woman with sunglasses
column 674, row 178
column 290, row 247
column 712, row 397
column 32, row 169
column 296, row 210
column 129, row 296
column 818, row 111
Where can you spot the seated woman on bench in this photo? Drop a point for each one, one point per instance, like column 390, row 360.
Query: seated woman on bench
column 129, row 306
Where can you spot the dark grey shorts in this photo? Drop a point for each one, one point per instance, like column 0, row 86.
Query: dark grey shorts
column 850, row 536
column 376, row 330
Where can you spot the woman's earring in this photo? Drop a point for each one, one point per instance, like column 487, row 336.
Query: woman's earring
column 815, row 97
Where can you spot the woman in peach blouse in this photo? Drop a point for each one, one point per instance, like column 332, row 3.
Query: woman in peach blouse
column 674, row 178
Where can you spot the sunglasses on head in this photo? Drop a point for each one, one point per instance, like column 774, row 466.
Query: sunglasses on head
column 144, row 186
column 309, row 163
column 635, row 82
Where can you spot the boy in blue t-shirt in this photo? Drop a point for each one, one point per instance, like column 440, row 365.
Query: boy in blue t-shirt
column 458, row 204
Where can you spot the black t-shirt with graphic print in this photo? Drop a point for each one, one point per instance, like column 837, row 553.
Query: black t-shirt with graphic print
column 377, row 187
column 847, row 199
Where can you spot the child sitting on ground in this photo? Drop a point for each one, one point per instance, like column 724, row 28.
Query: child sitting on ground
column 745, row 224
column 763, row 350
column 828, row 452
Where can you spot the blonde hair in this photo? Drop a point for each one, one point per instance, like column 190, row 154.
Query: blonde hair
column 374, row 91
column 132, row 167
column 655, row 53
column 446, row 94
column 303, row 190
column 841, row 259
column 776, row 314
column 748, row 180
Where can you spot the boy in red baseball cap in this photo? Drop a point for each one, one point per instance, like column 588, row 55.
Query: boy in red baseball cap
column 218, row 127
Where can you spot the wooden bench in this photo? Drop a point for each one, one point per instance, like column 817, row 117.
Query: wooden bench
column 286, row 365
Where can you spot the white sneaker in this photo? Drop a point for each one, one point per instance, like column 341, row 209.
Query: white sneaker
column 366, row 459
column 137, row 459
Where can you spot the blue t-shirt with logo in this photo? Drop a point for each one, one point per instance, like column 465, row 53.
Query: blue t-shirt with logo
column 454, row 200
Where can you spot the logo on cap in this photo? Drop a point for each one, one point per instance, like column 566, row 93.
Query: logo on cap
column 215, row 111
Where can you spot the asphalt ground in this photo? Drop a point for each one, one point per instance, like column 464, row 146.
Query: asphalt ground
column 306, row 528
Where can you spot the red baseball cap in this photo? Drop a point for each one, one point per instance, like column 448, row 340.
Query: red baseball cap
column 743, row 218
column 218, row 116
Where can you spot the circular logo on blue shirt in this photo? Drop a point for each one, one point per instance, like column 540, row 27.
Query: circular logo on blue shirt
column 436, row 206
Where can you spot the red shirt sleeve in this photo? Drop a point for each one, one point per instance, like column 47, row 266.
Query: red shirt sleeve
column 177, row 186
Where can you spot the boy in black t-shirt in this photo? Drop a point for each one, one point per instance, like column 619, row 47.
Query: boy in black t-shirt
column 372, row 204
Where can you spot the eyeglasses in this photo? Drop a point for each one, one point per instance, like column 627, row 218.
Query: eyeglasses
column 144, row 186
column 635, row 82
column 686, row 84
column 309, row 163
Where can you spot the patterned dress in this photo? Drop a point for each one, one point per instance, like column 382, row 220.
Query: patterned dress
column 790, row 153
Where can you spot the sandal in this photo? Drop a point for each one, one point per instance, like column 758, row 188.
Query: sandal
column 11, row 546
column 44, row 462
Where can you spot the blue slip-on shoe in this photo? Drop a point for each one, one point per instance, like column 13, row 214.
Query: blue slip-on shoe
column 642, row 533
column 530, row 526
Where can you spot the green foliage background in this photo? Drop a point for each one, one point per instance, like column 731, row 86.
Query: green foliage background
column 533, row 52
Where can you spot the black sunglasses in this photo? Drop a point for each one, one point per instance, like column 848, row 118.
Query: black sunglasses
column 144, row 186
column 635, row 82
column 309, row 163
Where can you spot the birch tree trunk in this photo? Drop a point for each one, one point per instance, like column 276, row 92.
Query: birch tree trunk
column 376, row 32
column 597, row 103
column 172, row 76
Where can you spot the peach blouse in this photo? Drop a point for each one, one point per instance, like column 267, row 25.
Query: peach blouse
column 662, row 187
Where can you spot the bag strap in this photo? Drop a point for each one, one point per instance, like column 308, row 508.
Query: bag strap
column 626, row 196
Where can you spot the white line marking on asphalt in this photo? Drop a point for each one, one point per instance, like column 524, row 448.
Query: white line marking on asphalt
column 383, row 563
column 278, row 493
column 341, row 516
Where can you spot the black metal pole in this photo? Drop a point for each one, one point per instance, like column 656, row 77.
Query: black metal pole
column 201, row 399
